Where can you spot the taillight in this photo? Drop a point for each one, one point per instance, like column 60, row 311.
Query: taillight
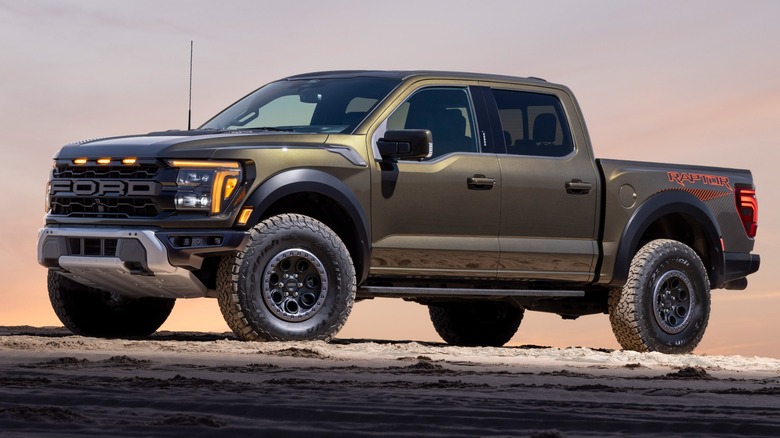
column 747, row 207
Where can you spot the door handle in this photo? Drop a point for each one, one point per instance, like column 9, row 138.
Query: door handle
column 480, row 182
column 578, row 187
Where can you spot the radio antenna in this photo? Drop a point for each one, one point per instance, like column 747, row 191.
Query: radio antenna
column 189, row 106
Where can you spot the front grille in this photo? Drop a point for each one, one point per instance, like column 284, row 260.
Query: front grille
column 113, row 207
column 119, row 202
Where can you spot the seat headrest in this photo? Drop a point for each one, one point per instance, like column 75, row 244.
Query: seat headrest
column 545, row 128
column 447, row 124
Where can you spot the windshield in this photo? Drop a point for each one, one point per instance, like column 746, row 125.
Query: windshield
column 305, row 105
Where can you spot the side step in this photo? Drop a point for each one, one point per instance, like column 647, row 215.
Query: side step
column 433, row 292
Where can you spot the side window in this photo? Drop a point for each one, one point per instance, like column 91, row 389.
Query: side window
column 446, row 112
column 533, row 124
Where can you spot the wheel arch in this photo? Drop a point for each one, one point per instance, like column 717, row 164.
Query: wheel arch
column 322, row 196
column 673, row 215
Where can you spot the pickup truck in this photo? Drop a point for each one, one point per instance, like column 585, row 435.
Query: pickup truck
column 476, row 195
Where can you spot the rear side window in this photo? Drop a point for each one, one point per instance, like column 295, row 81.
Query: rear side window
column 533, row 124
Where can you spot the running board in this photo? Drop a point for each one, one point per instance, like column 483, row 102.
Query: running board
column 433, row 292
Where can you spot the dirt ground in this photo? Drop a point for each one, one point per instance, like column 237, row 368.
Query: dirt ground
column 207, row 384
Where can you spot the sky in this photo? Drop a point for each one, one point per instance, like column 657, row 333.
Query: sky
column 694, row 82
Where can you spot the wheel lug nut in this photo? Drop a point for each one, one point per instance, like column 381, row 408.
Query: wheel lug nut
column 281, row 284
column 295, row 294
column 295, row 275
column 300, row 284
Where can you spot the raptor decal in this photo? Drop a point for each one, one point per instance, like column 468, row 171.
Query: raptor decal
column 683, row 178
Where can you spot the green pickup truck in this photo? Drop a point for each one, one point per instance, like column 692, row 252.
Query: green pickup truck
column 476, row 195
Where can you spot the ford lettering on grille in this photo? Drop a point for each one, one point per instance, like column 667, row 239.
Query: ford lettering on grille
column 104, row 187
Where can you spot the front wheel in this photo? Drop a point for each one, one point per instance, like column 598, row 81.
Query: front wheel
column 665, row 304
column 92, row 312
column 294, row 281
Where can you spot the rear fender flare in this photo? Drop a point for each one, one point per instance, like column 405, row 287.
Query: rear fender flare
column 656, row 207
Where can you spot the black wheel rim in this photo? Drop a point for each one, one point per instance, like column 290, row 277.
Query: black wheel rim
column 295, row 285
column 673, row 301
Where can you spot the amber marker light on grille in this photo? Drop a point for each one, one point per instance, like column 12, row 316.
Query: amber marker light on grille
column 244, row 216
column 129, row 161
column 80, row 161
column 104, row 160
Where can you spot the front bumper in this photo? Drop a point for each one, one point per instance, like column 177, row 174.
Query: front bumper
column 135, row 262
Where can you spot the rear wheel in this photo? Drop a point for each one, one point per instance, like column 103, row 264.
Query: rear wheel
column 92, row 312
column 665, row 304
column 476, row 324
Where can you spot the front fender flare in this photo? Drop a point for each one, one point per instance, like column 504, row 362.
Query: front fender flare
column 315, row 181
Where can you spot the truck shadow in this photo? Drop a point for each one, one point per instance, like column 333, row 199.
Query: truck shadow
column 184, row 336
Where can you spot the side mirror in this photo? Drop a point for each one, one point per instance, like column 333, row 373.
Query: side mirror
column 406, row 144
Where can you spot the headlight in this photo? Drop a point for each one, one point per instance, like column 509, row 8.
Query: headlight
column 47, row 198
column 194, row 177
column 206, row 185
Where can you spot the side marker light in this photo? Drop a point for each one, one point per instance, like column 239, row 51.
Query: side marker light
column 243, row 218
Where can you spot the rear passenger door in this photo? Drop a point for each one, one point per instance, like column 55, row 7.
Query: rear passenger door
column 549, row 180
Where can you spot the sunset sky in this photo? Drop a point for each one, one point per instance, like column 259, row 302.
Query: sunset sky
column 693, row 82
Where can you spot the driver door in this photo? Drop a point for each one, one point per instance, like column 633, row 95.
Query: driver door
column 438, row 217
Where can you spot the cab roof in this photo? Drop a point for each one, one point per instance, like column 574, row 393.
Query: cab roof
column 407, row 74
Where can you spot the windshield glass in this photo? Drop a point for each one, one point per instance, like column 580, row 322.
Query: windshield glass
column 305, row 105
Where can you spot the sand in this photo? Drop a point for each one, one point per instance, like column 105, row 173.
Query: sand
column 207, row 384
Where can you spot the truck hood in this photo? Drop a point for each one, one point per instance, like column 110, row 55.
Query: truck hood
column 180, row 144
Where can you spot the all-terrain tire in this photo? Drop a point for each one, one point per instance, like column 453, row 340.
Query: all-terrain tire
column 665, row 304
column 476, row 324
column 295, row 280
column 91, row 312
